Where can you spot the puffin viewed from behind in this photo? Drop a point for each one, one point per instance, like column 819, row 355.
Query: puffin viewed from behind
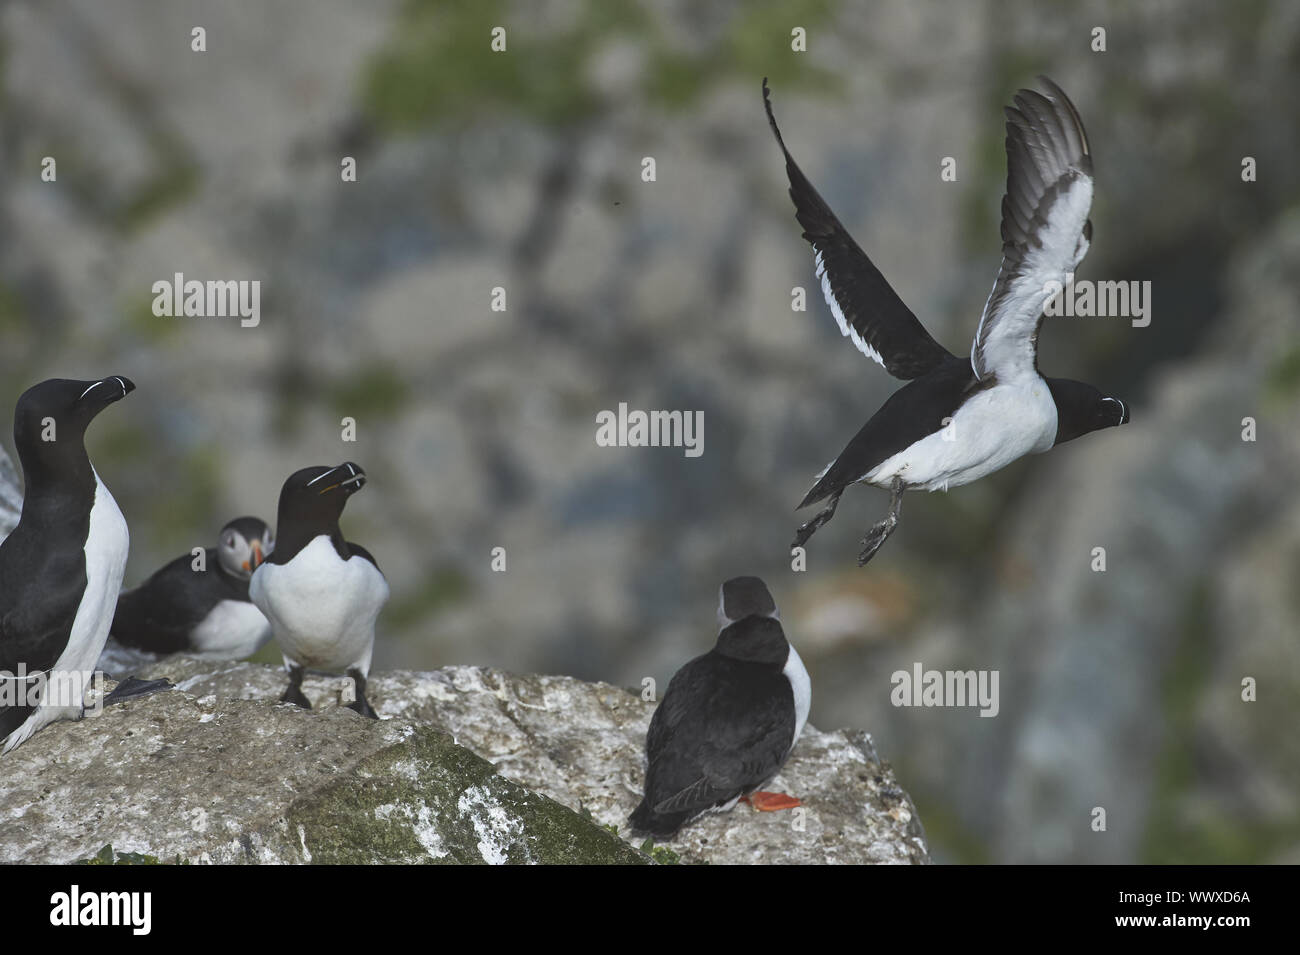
column 728, row 720
column 61, row 567
column 959, row 419
column 321, row 593
column 204, row 609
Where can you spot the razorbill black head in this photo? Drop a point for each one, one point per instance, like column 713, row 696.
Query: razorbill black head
column 198, row 607
column 50, row 422
column 311, row 503
column 322, row 593
column 1082, row 408
column 958, row 419
column 61, row 567
column 728, row 720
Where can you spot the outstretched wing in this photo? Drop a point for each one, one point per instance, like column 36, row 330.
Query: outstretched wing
column 869, row 312
column 1045, row 228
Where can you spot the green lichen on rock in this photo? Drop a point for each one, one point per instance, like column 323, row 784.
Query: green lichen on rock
column 437, row 65
column 429, row 800
column 106, row 856
column 663, row 855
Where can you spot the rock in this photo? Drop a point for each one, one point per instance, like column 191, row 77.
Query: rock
column 184, row 778
column 250, row 781
column 582, row 744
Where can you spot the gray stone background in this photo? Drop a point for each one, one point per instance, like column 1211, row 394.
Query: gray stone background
column 522, row 169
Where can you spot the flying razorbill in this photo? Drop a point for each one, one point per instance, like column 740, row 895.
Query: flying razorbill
column 61, row 567
column 204, row 611
column 728, row 720
column 321, row 593
column 957, row 420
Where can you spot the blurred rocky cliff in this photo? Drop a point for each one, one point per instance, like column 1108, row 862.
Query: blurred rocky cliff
column 522, row 171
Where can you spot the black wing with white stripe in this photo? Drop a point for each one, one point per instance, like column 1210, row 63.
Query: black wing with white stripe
column 869, row 312
column 1045, row 228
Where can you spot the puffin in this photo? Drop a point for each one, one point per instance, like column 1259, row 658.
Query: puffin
column 201, row 607
column 728, row 720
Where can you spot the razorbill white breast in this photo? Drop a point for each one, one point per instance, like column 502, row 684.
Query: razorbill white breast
column 61, row 567
column 728, row 720
column 321, row 593
column 959, row 419
column 203, row 610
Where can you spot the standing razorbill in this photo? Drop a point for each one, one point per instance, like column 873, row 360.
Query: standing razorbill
column 321, row 593
column 957, row 419
column 61, row 567
column 728, row 720
column 204, row 611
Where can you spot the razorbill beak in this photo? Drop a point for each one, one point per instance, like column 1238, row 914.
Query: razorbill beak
column 98, row 395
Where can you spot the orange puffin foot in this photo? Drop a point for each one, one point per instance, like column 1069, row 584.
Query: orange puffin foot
column 771, row 802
